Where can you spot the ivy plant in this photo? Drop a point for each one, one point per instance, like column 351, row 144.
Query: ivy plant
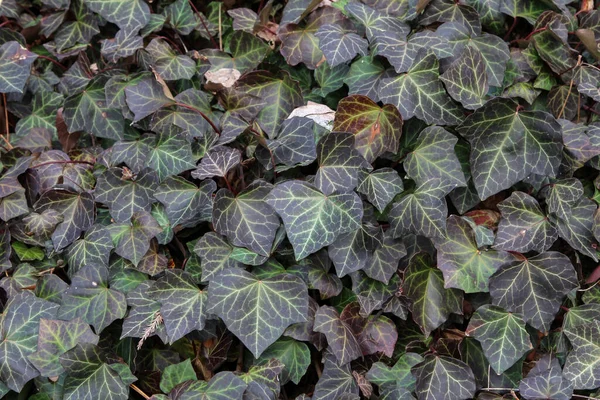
column 301, row 199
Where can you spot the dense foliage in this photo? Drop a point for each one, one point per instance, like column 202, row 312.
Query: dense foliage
column 384, row 199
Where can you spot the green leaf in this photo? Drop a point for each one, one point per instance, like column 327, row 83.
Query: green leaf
column 315, row 271
column 170, row 154
column 534, row 287
column 502, row 336
column 43, row 113
column 341, row 337
column 124, row 44
column 433, row 157
column 422, row 212
column 338, row 45
column 145, row 97
column 524, row 226
column 183, row 304
column 419, row 93
column 93, row 249
column 562, row 195
column 376, row 129
column 295, row 143
column 431, row 302
column 184, row 201
column 466, row 79
column 508, row 145
column 19, row 333
column 528, row 9
column 545, row 379
column 181, row 17
column 582, row 366
column 439, row 375
column 380, row 186
column 294, row 355
column 134, row 14
column 554, row 52
column 215, row 254
column 311, row 219
column 217, row 162
column 257, row 311
column 246, row 219
column 133, row 238
column 90, row 298
column 124, row 196
column 339, row 163
column 364, row 77
column 447, row 11
column 247, row 52
column 383, row 262
column 77, row 211
column 143, row 312
column 222, row 386
column 350, row 251
column 79, row 31
column 89, row 374
column 26, row 253
column 330, row 78
column 397, row 376
column 576, row 227
column 175, row 374
column 87, row 111
column 55, row 338
column 464, row 264
column 335, row 381
column 15, row 67
column 167, row 63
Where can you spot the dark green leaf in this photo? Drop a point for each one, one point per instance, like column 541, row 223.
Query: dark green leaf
column 338, row 45
column 583, row 363
column 545, row 380
column 133, row 14
column 217, row 162
column 439, row 375
column 133, row 238
column 466, row 79
column 184, row 201
column 175, row 374
column 15, row 66
column 294, row 355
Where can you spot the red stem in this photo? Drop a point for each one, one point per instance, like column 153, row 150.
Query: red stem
column 512, row 27
column 212, row 39
column 202, row 114
column 53, row 62
column 62, row 162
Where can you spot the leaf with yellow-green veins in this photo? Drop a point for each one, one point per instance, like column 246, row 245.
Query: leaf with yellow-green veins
column 311, row 219
column 132, row 238
column 167, row 63
column 351, row 250
column 124, row 44
column 15, row 66
column 376, row 129
column 437, row 376
column 20, row 329
column 383, row 262
column 256, row 310
column 217, row 162
column 433, row 156
column 502, row 335
column 170, row 154
column 43, row 113
column 557, row 54
column 508, row 145
column 396, row 376
column 464, row 264
column 339, row 45
column 183, row 200
column 336, row 381
column 466, row 79
column 534, row 287
column 134, row 14
column 524, row 226
column 380, row 186
column 295, row 143
column 448, row 11
column 183, row 303
column 247, row 52
column 432, row 303
column 90, row 298
column 364, row 76
column 546, row 380
column 420, row 93
column 576, row 227
column 87, row 111
column 215, row 253
column 93, row 249
column 293, row 354
column 222, row 386
column 175, row 374
column 582, row 366
column 182, row 18
column 146, row 96
column 341, row 337
column 246, row 218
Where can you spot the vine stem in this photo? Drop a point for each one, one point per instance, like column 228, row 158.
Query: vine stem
column 212, row 39
column 63, row 162
column 140, row 391
column 53, row 62
column 217, row 130
column 512, row 27
column 7, row 137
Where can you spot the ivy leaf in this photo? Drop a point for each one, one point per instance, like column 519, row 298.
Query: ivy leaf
column 88, row 372
column 316, row 268
column 168, row 64
column 583, row 363
column 534, row 287
column 554, row 52
column 341, row 338
column 466, row 79
column 364, row 76
column 306, row 230
column 181, row 17
column 338, row 45
column 376, row 129
column 380, row 186
column 524, row 226
column 175, row 374
column 133, row 238
column 183, row 304
column 433, row 157
column 397, row 376
column 262, row 308
column 545, row 379
column 464, row 265
column 224, row 385
column 419, row 93
column 170, row 154
column 88, row 112
column 215, row 254
column 134, row 14
column 185, row 201
column 20, row 327
column 15, row 66
column 93, row 249
column 142, row 313
column 294, row 355
column 335, row 381
column 562, row 195
column 350, row 251
column 576, row 227
column 502, row 336
column 446, row 10
column 145, row 97
column 514, row 146
column 422, row 212
column 424, row 286
column 43, row 113
column 217, row 162
column 123, row 196
column 90, row 299
column 247, row 52
column 246, row 219
column 439, row 375
column 383, row 262
column 295, row 143
column 125, row 44
column 77, row 211
column 55, row 338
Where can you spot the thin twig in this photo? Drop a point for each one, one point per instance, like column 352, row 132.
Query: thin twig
column 240, row 361
column 590, row 109
column 7, row 137
column 53, row 61
column 212, row 39
column 317, row 368
column 62, row 162
column 220, row 30
column 512, row 27
column 139, row 391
